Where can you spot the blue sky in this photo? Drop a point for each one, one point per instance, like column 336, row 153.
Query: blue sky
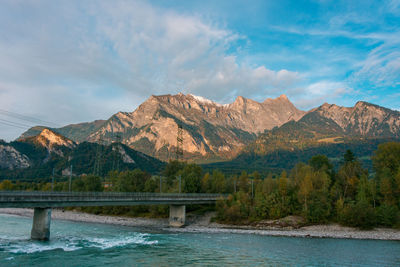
column 74, row 61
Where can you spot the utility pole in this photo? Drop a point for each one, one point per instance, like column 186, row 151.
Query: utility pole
column 252, row 188
column 116, row 151
column 52, row 181
column 98, row 161
column 179, row 142
column 70, row 179
column 179, row 183
column 160, row 184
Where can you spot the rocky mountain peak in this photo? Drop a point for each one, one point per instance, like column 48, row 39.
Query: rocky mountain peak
column 240, row 99
column 241, row 103
column 362, row 105
column 209, row 128
column 51, row 140
column 203, row 100
column 325, row 105
column 283, row 97
column 10, row 158
column 279, row 99
column 363, row 119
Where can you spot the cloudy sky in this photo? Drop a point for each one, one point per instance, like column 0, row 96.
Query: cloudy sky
column 71, row 61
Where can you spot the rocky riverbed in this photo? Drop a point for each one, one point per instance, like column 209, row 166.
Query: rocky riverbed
column 196, row 223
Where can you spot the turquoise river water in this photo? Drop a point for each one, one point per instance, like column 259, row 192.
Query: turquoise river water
column 86, row 244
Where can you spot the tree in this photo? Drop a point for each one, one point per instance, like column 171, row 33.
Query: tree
column 283, row 193
column 360, row 215
column 243, row 183
column 372, row 191
column 386, row 190
column 313, row 193
column 92, row 183
column 388, row 215
column 306, row 187
column 268, row 185
column 171, row 170
column 131, row 181
column 256, row 175
column 234, row 209
column 362, row 190
column 205, row 183
column 191, row 178
column 387, row 156
column 319, row 208
column 348, row 177
column 6, row 185
column 283, row 184
column 151, row 185
column 78, row 185
column 217, row 182
column 397, row 187
column 349, row 156
column 320, row 163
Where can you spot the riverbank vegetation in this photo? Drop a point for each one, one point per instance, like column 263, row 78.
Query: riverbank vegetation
column 320, row 194
column 314, row 190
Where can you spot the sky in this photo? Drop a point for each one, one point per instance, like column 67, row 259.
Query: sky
column 73, row 61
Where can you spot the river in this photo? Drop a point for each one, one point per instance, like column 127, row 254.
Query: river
column 88, row 244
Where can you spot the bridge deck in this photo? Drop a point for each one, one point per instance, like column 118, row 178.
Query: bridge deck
column 25, row 199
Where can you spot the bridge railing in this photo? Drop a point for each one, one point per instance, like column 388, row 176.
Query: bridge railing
column 6, row 195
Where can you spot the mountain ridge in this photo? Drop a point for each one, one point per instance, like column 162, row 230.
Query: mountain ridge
column 209, row 129
column 37, row 156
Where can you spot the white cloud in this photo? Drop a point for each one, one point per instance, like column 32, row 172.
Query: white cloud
column 184, row 53
column 317, row 93
column 75, row 61
column 382, row 65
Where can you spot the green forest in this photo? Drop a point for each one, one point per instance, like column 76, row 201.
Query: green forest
column 316, row 190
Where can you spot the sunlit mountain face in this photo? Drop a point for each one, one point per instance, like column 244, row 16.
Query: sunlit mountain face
column 214, row 132
column 209, row 129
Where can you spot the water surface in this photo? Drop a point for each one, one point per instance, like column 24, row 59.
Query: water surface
column 87, row 244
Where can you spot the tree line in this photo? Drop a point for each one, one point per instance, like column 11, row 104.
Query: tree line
column 314, row 190
column 320, row 194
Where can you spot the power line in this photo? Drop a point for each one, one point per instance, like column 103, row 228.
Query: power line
column 8, row 124
column 16, row 123
column 25, row 118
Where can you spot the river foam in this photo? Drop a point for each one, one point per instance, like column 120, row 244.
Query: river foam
column 75, row 243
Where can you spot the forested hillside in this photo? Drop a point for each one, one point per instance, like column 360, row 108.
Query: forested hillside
column 313, row 191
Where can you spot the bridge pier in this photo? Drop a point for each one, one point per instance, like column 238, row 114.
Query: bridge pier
column 177, row 215
column 41, row 224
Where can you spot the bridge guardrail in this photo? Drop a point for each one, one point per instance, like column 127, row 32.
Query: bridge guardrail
column 43, row 195
column 62, row 193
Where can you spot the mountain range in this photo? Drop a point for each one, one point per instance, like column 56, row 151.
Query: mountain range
column 37, row 156
column 209, row 130
column 331, row 124
column 240, row 133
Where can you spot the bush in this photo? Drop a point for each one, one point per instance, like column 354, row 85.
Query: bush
column 361, row 215
column 319, row 209
column 388, row 215
column 234, row 209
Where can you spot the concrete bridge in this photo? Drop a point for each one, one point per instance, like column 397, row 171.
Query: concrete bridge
column 42, row 202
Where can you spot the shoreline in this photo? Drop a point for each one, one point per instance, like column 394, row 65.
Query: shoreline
column 202, row 224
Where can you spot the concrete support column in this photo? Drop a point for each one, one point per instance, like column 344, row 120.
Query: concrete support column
column 41, row 224
column 177, row 215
